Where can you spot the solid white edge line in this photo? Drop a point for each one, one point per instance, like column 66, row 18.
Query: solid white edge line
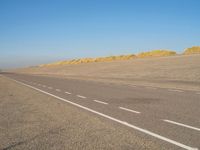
column 137, row 112
column 113, row 119
column 68, row 93
column 181, row 124
column 101, row 102
column 80, row 96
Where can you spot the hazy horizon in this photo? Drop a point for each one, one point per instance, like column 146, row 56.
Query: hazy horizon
column 38, row 32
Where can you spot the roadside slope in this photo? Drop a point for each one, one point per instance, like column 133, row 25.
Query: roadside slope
column 171, row 72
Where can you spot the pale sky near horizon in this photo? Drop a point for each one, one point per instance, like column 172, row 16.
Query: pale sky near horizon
column 41, row 31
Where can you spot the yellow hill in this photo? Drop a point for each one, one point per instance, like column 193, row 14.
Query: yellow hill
column 153, row 53
column 192, row 50
column 90, row 60
column 156, row 53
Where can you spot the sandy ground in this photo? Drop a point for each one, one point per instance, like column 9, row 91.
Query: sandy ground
column 181, row 72
column 32, row 120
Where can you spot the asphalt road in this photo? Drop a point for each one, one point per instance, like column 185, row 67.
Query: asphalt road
column 170, row 117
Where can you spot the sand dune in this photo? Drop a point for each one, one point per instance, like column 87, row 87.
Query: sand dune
column 175, row 71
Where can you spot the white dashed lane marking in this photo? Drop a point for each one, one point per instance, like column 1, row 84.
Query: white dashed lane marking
column 68, row 93
column 80, row 96
column 181, row 124
column 133, row 86
column 152, row 88
column 174, row 90
column 137, row 112
column 101, row 102
column 58, row 90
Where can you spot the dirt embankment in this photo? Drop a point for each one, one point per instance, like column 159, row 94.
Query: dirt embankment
column 175, row 71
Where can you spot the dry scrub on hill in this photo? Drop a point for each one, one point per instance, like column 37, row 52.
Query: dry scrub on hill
column 156, row 53
column 89, row 60
column 153, row 53
column 192, row 50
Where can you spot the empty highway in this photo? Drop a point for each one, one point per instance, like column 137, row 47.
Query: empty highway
column 167, row 117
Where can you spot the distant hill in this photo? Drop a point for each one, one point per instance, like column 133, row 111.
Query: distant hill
column 192, row 50
column 153, row 53
column 156, row 53
column 90, row 60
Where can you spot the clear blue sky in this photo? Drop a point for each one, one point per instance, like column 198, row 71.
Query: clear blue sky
column 41, row 31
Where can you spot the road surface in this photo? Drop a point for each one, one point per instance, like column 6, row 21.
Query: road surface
column 168, row 117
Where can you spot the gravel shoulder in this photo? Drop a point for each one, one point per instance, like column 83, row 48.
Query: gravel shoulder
column 32, row 120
